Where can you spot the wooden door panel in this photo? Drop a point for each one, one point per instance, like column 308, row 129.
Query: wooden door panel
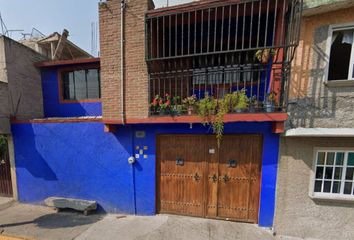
column 5, row 174
column 236, row 191
column 212, row 159
column 181, row 185
column 208, row 184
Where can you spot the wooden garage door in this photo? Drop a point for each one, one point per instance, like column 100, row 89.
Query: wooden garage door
column 195, row 177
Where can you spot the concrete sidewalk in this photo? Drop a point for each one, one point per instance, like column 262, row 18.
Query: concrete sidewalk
column 41, row 223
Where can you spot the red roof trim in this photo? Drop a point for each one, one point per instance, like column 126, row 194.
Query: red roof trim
column 195, row 5
column 67, row 62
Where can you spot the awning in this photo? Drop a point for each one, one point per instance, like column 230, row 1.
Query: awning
column 320, row 132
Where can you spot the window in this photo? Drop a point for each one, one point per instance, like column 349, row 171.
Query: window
column 341, row 54
column 333, row 174
column 81, row 84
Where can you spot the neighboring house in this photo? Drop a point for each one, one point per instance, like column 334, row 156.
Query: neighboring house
column 194, row 50
column 315, row 193
column 22, row 98
column 55, row 46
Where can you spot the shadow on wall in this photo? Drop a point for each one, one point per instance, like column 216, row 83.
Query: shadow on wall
column 38, row 168
column 311, row 102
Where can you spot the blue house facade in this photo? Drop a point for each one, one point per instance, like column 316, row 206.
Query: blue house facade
column 144, row 145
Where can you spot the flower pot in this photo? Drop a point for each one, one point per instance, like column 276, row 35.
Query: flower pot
column 239, row 110
column 252, row 109
column 191, row 110
column 164, row 112
column 269, row 107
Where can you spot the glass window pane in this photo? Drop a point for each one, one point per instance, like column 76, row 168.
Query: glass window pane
column 93, row 85
column 348, row 188
column 338, row 173
column 330, row 158
column 321, row 158
column 319, row 172
column 336, row 187
column 80, row 85
column 327, row 187
column 339, row 158
column 349, row 174
column 339, row 59
column 68, row 86
column 328, row 172
column 351, row 159
column 318, row 186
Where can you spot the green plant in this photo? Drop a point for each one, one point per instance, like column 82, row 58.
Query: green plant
column 207, row 108
column 212, row 112
column 230, row 101
column 242, row 100
column 263, row 55
column 155, row 104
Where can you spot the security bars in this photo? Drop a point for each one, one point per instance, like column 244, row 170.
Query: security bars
column 212, row 47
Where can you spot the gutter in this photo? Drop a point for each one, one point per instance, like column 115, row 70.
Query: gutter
column 122, row 41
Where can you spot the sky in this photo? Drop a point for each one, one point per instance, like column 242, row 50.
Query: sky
column 50, row 16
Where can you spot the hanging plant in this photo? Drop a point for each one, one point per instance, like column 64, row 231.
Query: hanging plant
column 263, row 55
column 212, row 113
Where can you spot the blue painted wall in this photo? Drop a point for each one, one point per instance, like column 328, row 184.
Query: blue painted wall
column 79, row 160
column 52, row 105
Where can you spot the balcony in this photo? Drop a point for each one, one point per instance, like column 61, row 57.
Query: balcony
column 232, row 56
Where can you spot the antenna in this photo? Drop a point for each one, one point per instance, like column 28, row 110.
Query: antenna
column 4, row 30
column 94, row 39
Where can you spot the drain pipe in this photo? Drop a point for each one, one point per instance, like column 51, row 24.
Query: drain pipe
column 122, row 41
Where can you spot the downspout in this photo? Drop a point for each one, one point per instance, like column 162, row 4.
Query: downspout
column 122, row 41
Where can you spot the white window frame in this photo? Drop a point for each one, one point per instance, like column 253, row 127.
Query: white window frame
column 330, row 196
column 333, row 28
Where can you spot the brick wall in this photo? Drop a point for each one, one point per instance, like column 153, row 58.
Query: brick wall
column 20, row 83
column 136, row 77
column 24, row 80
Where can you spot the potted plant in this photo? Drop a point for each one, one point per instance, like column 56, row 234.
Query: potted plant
column 175, row 106
column 207, row 108
column 155, row 105
column 263, row 55
column 165, row 104
column 253, row 103
column 269, row 104
column 190, row 103
column 230, row 101
column 242, row 101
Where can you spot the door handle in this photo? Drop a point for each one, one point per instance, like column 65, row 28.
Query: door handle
column 196, row 177
column 226, row 178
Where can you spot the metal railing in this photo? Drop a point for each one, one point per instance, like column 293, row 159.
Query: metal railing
column 226, row 47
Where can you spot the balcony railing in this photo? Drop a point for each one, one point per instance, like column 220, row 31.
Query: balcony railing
column 222, row 49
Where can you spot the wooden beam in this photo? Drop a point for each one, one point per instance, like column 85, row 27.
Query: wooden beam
column 278, row 127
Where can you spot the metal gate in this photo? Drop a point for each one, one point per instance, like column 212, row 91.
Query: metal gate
column 5, row 173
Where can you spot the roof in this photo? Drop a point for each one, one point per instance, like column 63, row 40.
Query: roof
column 67, row 62
column 186, row 7
column 320, row 132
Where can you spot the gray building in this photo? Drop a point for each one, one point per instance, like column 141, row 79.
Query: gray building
column 20, row 98
column 315, row 191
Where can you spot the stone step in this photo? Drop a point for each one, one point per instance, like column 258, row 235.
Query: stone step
column 77, row 204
